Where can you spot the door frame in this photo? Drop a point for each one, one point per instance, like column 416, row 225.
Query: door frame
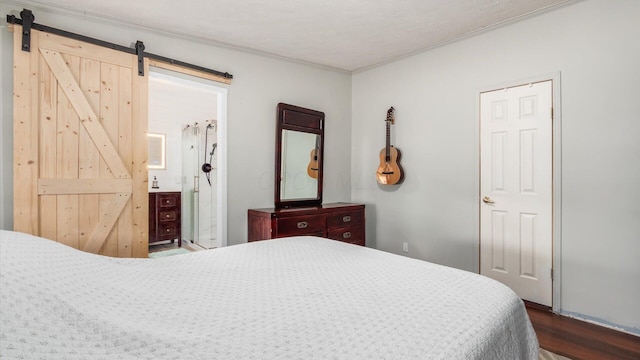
column 6, row 165
column 556, row 130
column 178, row 74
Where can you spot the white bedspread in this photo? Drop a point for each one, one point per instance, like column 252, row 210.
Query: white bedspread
column 294, row 298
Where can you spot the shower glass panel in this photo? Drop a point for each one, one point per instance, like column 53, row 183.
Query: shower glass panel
column 199, row 191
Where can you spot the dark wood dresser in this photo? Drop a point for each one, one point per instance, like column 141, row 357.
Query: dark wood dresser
column 164, row 217
column 338, row 221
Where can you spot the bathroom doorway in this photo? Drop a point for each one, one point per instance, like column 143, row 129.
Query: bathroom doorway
column 191, row 115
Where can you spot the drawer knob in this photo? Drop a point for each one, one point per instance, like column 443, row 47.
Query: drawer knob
column 346, row 235
column 346, row 218
column 168, row 215
column 302, row 225
column 168, row 230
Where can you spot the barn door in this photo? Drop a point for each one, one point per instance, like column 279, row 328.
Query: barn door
column 80, row 147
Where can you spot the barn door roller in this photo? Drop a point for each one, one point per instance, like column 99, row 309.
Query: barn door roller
column 27, row 21
column 140, row 53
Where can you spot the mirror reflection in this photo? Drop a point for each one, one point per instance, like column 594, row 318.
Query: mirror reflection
column 300, row 159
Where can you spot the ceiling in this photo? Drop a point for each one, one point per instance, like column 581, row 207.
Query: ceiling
column 349, row 35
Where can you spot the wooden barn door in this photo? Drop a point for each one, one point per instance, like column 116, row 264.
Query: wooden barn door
column 80, row 147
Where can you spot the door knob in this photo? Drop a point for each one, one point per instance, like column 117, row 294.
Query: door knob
column 487, row 200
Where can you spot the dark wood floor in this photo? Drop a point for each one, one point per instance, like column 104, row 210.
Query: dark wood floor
column 581, row 340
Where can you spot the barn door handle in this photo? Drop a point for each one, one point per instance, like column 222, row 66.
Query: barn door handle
column 487, row 200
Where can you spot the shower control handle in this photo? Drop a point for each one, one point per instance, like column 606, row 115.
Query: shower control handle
column 206, row 168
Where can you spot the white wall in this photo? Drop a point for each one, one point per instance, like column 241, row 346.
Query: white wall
column 595, row 46
column 259, row 84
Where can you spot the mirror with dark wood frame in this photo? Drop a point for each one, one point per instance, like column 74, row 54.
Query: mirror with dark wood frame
column 299, row 156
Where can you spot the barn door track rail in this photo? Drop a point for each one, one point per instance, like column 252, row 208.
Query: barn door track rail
column 27, row 23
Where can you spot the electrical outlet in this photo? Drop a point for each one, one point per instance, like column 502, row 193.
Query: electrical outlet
column 405, row 246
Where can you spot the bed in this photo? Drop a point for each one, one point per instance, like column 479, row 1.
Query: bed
column 289, row 298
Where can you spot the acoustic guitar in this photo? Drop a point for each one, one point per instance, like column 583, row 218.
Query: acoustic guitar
column 389, row 172
column 312, row 168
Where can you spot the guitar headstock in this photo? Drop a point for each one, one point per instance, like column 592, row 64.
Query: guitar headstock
column 390, row 115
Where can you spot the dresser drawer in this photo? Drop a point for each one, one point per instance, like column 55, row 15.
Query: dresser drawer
column 167, row 231
column 301, row 225
column 167, row 201
column 170, row 215
column 346, row 218
column 353, row 234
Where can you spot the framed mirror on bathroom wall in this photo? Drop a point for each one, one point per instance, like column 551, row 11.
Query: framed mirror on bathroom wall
column 299, row 156
column 157, row 151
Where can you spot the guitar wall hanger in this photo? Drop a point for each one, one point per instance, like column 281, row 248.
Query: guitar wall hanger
column 389, row 171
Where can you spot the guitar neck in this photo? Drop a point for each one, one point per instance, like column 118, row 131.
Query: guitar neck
column 388, row 146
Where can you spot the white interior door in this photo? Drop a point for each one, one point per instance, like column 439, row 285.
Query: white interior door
column 516, row 224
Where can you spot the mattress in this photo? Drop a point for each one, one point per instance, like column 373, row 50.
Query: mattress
column 290, row 298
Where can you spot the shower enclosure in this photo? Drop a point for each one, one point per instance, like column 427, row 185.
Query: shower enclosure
column 199, row 190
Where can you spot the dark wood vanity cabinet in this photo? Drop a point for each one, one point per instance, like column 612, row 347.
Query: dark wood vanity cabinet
column 338, row 221
column 164, row 217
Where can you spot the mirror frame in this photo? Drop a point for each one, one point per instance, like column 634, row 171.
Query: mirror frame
column 291, row 117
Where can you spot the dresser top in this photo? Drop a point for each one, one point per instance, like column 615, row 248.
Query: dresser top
column 164, row 191
column 310, row 209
